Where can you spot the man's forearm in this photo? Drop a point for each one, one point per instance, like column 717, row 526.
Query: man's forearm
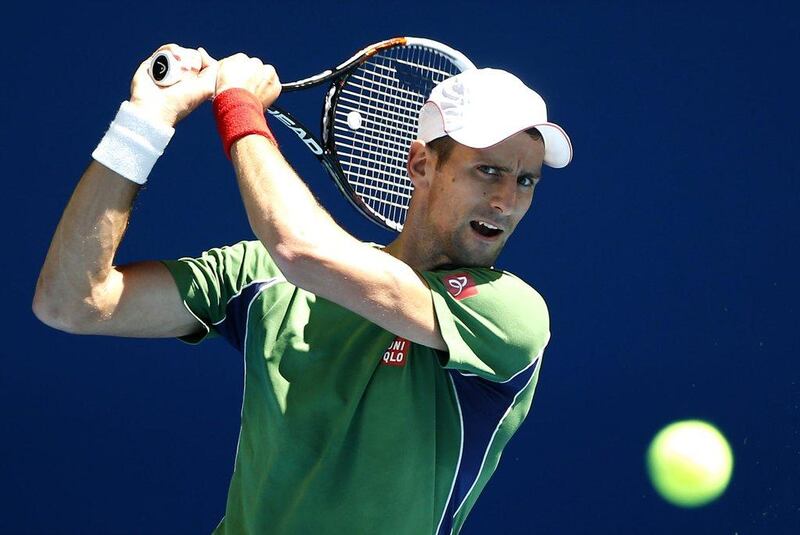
column 81, row 254
column 317, row 255
column 282, row 212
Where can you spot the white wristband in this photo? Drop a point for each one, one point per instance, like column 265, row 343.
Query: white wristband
column 132, row 144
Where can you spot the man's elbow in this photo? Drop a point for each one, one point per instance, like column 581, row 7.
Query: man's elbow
column 55, row 313
column 288, row 254
column 49, row 313
column 298, row 262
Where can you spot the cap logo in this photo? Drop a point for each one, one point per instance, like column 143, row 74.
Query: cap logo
column 460, row 285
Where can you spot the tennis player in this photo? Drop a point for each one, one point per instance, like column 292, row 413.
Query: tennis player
column 381, row 384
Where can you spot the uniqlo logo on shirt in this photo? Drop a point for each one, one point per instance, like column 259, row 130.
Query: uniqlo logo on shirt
column 397, row 352
column 460, row 285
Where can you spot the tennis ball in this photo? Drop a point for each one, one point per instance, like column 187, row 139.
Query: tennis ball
column 689, row 463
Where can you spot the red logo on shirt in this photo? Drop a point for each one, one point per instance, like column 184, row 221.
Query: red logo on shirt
column 460, row 285
column 397, row 352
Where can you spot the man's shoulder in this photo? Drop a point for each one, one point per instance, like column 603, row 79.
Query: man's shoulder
column 484, row 284
column 241, row 262
column 497, row 311
column 231, row 249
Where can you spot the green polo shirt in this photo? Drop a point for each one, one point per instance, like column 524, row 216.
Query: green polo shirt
column 347, row 428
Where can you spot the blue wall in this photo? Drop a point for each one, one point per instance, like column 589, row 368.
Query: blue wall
column 667, row 252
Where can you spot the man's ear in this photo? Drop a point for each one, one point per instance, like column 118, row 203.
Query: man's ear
column 419, row 160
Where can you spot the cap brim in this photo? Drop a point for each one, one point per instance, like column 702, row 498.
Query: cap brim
column 557, row 146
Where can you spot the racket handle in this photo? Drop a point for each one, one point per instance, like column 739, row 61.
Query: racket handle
column 165, row 69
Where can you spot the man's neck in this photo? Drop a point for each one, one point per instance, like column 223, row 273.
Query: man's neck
column 415, row 251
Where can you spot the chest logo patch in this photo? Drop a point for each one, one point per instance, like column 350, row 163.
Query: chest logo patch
column 460, row 285
column 397, row 352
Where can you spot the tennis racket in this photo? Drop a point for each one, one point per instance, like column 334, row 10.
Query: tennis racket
column 369, row 118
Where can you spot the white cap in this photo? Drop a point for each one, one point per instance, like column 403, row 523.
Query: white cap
column 481, row 107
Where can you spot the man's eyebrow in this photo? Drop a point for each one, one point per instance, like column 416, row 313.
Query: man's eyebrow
column 504, row 169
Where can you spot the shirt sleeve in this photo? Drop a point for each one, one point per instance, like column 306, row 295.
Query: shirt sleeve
column 208, row 283
column 493, row 323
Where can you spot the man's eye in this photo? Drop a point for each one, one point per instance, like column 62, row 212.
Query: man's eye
column 526, row 181
column 488, row 170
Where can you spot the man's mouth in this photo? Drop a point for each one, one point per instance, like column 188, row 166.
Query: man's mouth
column 487, row 230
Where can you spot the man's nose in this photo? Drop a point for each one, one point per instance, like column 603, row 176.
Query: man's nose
column 504, row 196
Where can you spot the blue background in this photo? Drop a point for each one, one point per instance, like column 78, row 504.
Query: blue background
column 667, row 252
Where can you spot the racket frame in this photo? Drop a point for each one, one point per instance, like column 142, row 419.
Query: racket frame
column 324, row 148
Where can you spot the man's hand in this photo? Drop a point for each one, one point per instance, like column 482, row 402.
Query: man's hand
column 251, row 74
column 168, row 105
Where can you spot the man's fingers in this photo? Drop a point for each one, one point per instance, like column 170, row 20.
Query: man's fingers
column 209, row 69
column 207, row 80
column 206, row 59
column 188, row 59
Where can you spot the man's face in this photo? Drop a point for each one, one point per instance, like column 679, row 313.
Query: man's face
column 478, row 196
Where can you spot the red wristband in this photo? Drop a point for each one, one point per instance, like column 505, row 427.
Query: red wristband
column 238, row 113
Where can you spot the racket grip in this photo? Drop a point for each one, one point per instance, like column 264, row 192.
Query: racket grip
column 165, row 69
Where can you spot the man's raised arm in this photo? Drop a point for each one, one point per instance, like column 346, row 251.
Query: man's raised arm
column 79, row 289
column 311, row 250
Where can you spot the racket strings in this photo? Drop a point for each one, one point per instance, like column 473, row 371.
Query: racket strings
column 375, row 121
column 395, row 160
column 394, row 146
column 391, row 115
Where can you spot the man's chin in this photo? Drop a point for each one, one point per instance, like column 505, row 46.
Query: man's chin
column 477, row 256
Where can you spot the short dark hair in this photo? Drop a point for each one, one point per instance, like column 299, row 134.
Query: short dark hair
column 443, row 146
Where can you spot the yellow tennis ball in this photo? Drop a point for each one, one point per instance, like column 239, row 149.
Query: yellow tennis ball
column 690, row 463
